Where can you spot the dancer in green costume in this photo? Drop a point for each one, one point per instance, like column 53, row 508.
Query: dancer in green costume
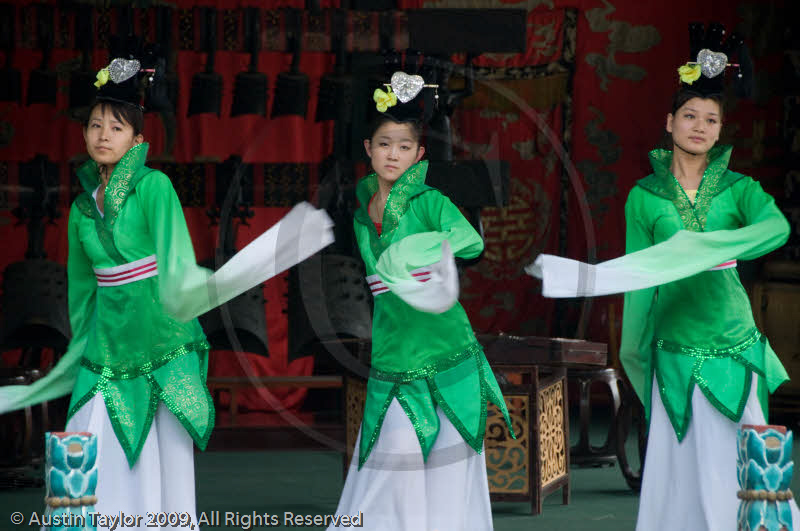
column 136, row 365
column 417, row 463
column 690, row 346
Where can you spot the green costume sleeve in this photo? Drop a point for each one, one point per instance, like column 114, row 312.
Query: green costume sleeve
column 635, row 351
column 685, row 254
column 82, row 282
column 424, row 249
column 759, row 214
column 443, row 216
column 182, row 283
column 445, row 222
column 81, row 288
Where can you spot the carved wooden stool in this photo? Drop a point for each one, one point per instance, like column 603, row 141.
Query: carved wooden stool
column 584, row 453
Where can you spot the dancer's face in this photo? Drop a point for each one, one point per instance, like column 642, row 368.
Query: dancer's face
column 108, row 138
column 393, row 149
column 696, row 125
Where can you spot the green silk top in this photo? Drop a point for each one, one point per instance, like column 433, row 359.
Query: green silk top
column 699, row 330
column 422, row 359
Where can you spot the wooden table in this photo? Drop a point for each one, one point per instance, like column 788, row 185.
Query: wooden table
column 507, row 350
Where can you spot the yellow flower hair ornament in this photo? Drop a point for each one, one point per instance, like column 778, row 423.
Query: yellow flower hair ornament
column 102, row 78
column 384, row 100
column 689, row 73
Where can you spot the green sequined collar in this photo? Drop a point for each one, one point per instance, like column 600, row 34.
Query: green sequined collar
column 409, row 185
column 716, row 178
column 133, row 159
column 663, row 183
column 121, row 182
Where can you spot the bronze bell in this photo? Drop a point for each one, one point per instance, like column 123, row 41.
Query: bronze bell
column 162, row 93
column 43, row 82
column 245, row 313
column 34, row 299
column 157, row 95
column 81, row 82
column 291, row 88
column 248, row 324
column 328, row 299
column 250, row 88
column 34, row 306
column 335, row 96
column 336, row 194
column 10, row 84
column 22, row 434
column 206, row 95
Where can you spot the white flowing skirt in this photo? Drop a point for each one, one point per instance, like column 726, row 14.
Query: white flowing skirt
column 692, row 485
column 395, row 490
column 161, row 481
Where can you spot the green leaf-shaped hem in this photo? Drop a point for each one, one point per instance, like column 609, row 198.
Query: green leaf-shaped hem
column 461, row 389
column 132, row 402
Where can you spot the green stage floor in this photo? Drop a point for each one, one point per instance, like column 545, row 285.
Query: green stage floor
column 309, row 483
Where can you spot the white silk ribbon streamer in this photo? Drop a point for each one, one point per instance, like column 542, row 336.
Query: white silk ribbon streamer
column 685, row 254
column 427, row 249
column 304, row 231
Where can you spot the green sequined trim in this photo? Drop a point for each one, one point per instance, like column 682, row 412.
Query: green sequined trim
column 130, row 452
column 84, row 204
column 687, row 210
column 716, row 178
column 681, row 426
column 401, row 192
column 101, row 383
column 411, row 183
column 410, row 414
column 110, row 374
column 474, row 440
column 125, row 175
column 661, row 182
column 714, row 181
column 364, row 454
column 680, row 423
column 698, row 352
column 429, row 370
column 122, row 180
column 101, row 387
column 156, row 393
column 732, row 415
column 88, row 208
column 106, row 237
column 200, row 440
